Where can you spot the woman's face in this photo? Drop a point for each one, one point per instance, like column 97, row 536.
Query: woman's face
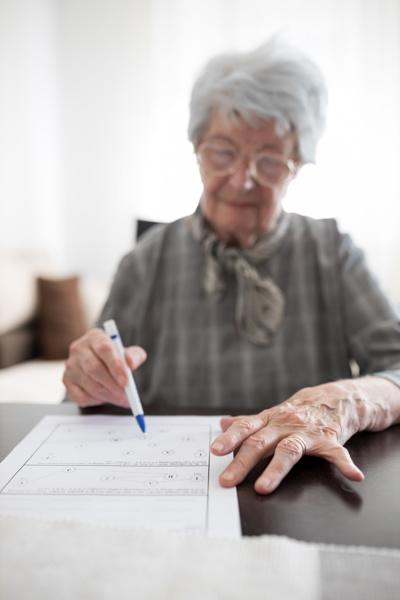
column 238, row 208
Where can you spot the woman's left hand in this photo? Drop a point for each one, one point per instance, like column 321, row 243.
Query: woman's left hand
column 315, row 421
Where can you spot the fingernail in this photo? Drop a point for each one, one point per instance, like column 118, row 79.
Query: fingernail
column 228, row 476
column 217, row 446
column 122, row 381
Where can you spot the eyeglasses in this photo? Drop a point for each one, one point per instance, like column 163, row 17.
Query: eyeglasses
column 220, row 158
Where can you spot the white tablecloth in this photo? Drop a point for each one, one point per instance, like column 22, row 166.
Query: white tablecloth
column 44, row 559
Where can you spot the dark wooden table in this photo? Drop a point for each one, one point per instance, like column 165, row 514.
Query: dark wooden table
column 314, row 503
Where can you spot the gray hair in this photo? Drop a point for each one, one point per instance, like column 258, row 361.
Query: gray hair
column 272, row 82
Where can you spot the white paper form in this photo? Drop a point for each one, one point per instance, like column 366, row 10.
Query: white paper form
column 103, row 469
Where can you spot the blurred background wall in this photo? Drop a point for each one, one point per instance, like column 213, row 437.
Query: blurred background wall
column 94, row 107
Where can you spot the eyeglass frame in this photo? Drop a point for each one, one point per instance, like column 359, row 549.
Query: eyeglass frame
column 289, row 163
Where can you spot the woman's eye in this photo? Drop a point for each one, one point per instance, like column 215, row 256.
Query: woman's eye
column 222, row 157
column 269, row 163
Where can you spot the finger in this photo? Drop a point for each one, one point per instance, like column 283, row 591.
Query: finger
column 255, row 448
column 340, row 457
column 85, row 391
column 86, row 371
column 239, row 430
column 82, row 398
column 87, row 378
column 105, row 349
column 226, row 422
column 287, row 453
column 135, row 356
column 95, row 355
column 112, row 393
column 95, row 377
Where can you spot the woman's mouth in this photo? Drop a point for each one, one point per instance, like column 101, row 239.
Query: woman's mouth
column 238, row 204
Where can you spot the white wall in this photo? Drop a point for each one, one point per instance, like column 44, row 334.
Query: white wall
column 94, row 105
column 30, row 135
column 103, row 91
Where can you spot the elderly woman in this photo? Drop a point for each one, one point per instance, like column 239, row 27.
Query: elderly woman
column 244, row 305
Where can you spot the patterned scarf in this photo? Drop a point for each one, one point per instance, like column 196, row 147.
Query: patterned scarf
column 260, row 304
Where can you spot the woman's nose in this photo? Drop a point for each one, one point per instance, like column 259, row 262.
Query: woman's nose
column 242, row 178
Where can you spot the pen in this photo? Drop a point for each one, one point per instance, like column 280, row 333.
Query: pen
column 110, row 327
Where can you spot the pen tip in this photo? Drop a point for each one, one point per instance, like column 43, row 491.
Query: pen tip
column 141, row 423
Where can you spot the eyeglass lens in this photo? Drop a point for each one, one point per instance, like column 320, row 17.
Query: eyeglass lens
column 221, row 160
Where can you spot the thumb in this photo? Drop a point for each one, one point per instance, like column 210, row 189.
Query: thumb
column 135, row 356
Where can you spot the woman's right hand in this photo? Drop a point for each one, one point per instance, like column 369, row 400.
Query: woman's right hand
column 95, row 373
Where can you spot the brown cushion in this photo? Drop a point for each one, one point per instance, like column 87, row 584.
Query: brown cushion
column 18, row 345
column 61, row 316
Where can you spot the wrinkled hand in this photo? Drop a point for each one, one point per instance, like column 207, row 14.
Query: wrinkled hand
column 315, row 421
column 95, row 373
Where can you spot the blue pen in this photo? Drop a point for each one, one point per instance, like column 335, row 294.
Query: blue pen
column 110, row 327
